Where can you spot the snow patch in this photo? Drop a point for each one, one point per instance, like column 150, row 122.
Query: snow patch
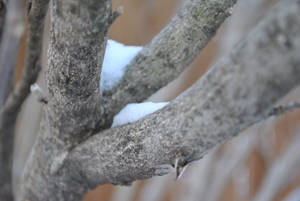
column 117, row 57
column 135, row 111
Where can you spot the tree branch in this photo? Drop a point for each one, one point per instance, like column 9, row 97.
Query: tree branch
column 73, row 74
column 2, row 15
column 284, row 108
column 10, row 110
column 237, row 92
column 168, row 54
column 13, row 30
column 36, row 18
column 77, row 44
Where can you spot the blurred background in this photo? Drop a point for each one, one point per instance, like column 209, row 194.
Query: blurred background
column 261, row 164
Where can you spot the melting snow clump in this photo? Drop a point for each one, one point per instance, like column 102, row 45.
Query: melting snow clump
column 117, row 57
column 135, row 111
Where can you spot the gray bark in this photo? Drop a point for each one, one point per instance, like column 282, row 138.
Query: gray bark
column 13, row 30
column 14, row 98
column 76, row 48
column 237, row 92
column 74, row 111
column 168, row 54
column 3, row 5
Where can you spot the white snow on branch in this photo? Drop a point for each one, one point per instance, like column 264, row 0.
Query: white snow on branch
column 117, row 57
column 135, row 111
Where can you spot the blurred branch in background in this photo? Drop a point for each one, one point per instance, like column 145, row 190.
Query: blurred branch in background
column 3, row 7
column 12, row 32
column 283, row 171
column 37, row 11
column 12, row 99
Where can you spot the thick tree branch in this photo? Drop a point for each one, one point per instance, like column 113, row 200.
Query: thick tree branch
column 76, row 50
column 237, row 92
column 168, row 54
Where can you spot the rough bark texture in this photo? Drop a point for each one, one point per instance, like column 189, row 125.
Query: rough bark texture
column 76, row 49
column 74, row 111
column 168, row 54
column 237, row 92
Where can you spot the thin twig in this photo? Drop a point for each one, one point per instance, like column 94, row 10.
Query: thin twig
column 119, row 11
column 37, row 90
column 198, row 179
column 283, row 109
